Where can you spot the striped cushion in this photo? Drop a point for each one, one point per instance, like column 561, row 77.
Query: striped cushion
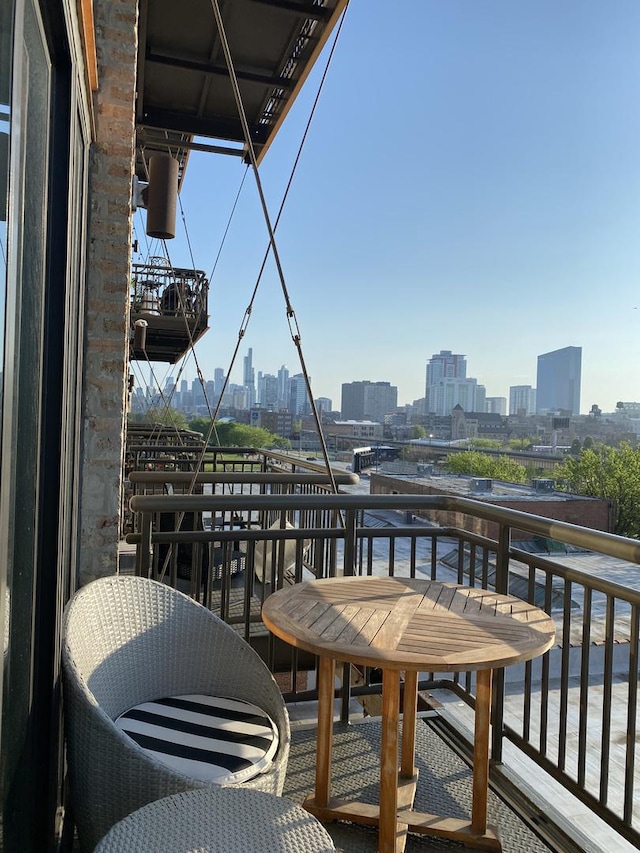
column 218, row 740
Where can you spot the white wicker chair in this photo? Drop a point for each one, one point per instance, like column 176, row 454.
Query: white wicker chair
column 130, row 640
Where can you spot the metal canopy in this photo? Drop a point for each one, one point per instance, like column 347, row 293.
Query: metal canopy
column 184, row 89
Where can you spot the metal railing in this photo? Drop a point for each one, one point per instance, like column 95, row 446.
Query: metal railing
column 574, row 711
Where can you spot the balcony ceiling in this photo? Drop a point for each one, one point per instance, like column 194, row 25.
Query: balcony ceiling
column 185, row 98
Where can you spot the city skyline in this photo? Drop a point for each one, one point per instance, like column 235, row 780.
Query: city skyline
column 495, row 213
column 518, row 397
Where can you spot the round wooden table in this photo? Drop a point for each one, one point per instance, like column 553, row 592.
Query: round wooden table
column 410, row 626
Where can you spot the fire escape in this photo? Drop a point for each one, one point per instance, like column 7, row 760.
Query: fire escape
column 169, row 311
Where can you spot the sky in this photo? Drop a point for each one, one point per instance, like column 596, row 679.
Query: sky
column 470, row 182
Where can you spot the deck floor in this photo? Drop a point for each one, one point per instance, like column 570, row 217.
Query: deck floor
column 444, row 787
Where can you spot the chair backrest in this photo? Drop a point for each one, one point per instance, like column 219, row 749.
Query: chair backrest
column 128, row 639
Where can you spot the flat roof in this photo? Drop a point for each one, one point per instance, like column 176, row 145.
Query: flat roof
column 462, row 485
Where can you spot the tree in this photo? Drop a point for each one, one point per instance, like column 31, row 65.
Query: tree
column 418, row 431
column 482, row 465
column 231, row 434
column 202, row 425
column 610, row 473
column 164, row 415
column 523, row 443
column 576, row 447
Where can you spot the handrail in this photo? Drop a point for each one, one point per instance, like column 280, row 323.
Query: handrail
column 583, row 537
column 257, row 477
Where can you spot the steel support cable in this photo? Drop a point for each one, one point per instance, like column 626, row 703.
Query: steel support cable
column 247, row 316
column 291, row 316
column 296, row 337
column 292, row 319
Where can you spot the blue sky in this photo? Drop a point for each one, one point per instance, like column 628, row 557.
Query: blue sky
column 471, row 181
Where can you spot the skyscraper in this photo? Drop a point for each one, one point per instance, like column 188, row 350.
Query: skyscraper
column 441, row 366
column 299, row 403
column 558, row 382
column 283, row 388
column 248, row 380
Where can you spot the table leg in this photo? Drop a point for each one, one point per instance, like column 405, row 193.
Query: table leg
column 388, row 825
column 326, row 689
column 481, row 752
column 409, row 714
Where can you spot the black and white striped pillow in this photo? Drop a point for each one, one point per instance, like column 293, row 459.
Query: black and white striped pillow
column 218, row 740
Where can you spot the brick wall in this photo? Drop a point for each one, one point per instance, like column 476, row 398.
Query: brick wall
column 107, row 296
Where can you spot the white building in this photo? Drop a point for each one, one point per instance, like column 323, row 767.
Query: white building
column 522, row 400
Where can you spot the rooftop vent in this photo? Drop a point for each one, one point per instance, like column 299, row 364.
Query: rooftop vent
column 478, row 485
column 425, row 469
column 542, row 485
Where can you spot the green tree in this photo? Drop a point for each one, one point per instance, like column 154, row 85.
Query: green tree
column 418, row 431
column 202, row 425
column 610, row 473
column 164, row 415
column 231, row 434
column 482, row 465
column 523, row 443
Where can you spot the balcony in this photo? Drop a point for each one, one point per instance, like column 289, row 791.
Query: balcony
column 169, row 310
column 564, row 727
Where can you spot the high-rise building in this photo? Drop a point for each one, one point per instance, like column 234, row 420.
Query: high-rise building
column 558, row 381
column 441, row 366
column 298, row 398
column 496, row 406
column 283, row 387
column 323, row 405
column 218, row 378
column 445, row 365
column 268, row 391
column 368, row 401
column 449, row 393
column 248, row 379
column 522, row 400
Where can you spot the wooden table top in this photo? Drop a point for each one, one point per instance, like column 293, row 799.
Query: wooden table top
column 400, row 623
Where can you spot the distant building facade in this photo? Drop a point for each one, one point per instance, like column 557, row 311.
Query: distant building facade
column 496, row 406
column 367, row 430
column 522, row 400
column 367, row 400
column 299, row 403
column 558, row 380
column 448, row 386
column 443, row 365
column 477, row 425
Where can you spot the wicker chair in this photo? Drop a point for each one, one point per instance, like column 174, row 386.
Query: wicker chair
column 130, row 640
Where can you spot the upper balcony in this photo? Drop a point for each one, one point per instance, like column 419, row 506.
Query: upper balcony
column 169, row 310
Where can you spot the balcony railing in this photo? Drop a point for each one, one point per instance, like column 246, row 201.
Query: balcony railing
column 573, row 712
column 173, row 306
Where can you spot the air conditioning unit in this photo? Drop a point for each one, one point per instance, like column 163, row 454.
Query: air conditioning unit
column 425, row 469
column 478, row 485
column 542, row 485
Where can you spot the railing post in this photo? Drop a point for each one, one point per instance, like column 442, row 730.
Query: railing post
column 350, row 527
column 502, row 560
column 497, row 692
column 143, row 554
